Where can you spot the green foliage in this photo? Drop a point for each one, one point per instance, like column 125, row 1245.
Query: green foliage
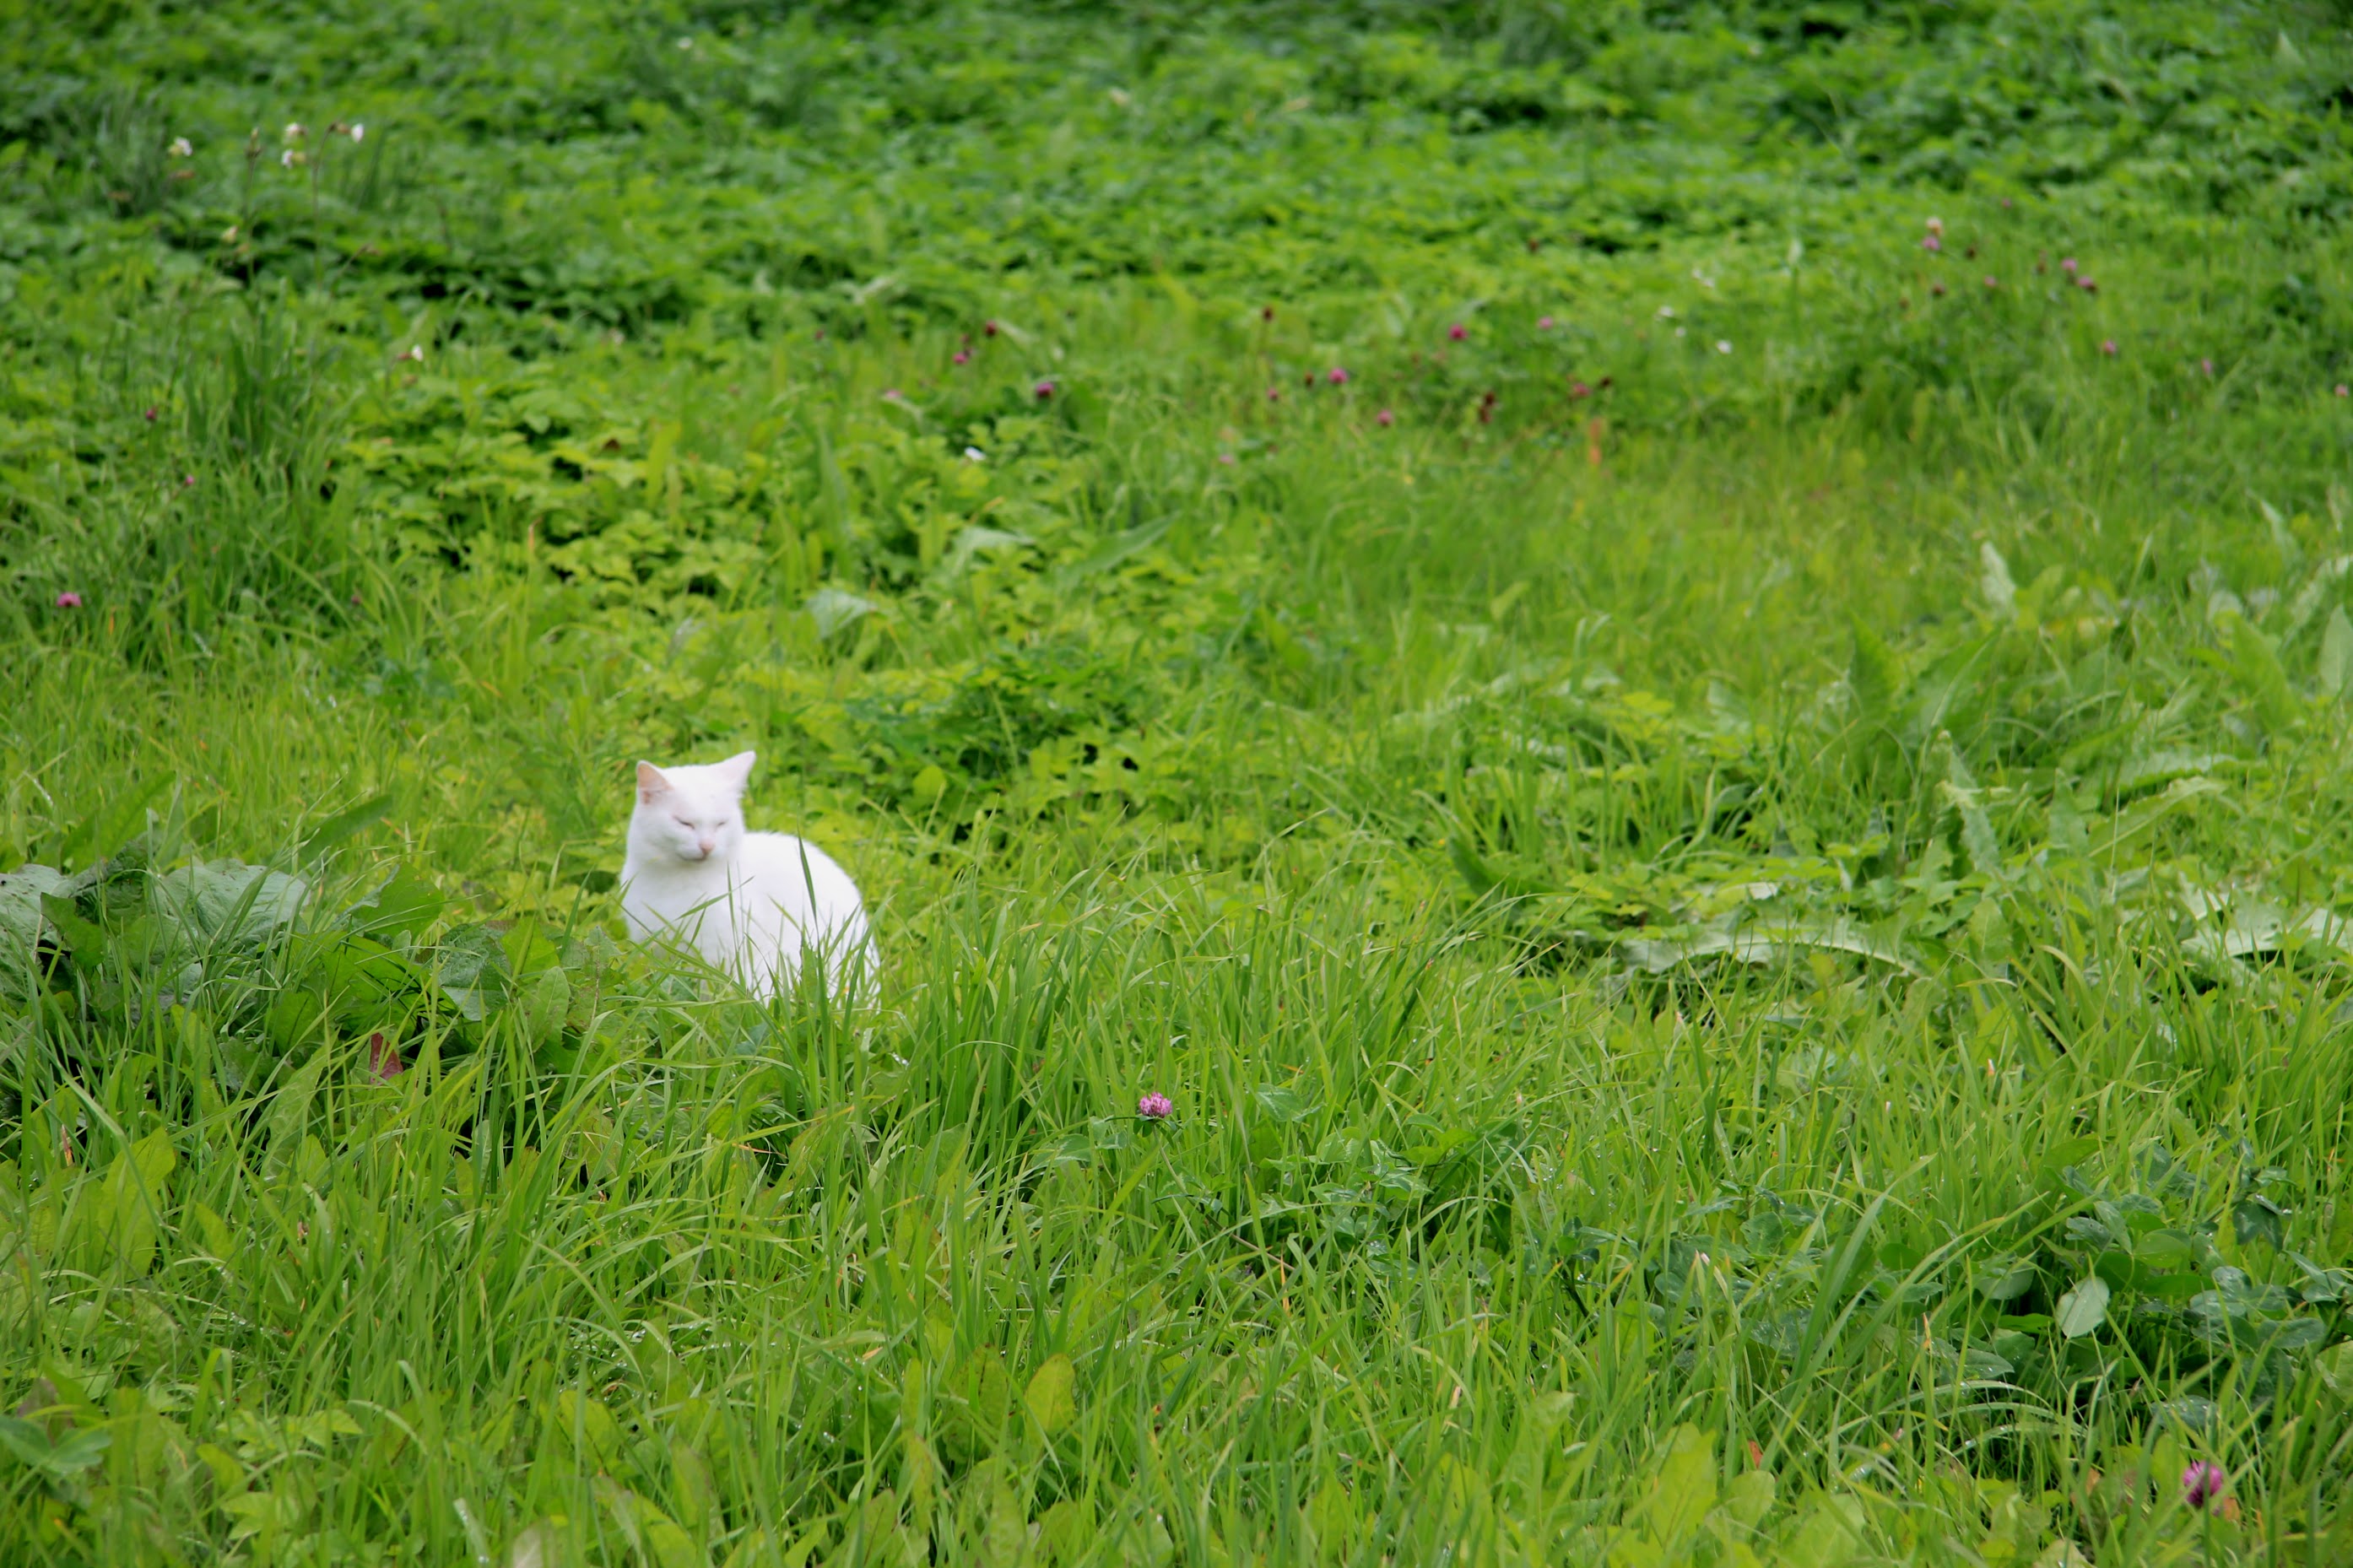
column 1724, row 825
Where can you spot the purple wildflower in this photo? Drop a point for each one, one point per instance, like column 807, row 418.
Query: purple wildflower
column 2201, row 1483
column 1153, row 1107
column 69, row 600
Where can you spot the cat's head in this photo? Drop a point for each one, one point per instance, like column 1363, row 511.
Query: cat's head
column 691, row 814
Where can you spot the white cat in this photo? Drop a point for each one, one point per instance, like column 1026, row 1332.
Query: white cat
column 753, row 904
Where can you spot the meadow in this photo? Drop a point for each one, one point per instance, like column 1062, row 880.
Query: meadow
column 1680, row 669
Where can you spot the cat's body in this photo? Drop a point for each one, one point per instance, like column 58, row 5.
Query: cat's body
column 753, row 904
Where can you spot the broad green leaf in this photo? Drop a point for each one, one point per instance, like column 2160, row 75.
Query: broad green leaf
column 834, row 608
column 1749, row 1497
column 402, row 905
column 473, row 972
column 214, row 1231
column 548, row 998
column 133, row 1202
column 587, row 1423
column 77, row 1450
column 344, row 824
column 1052, row 1397
column 2254, row 664
column 2084, row 1308
column 1682, row 1489
column 668, row 1545
column 2336, row 653
column 2336, row 1364
column 289, row 1113
column 2008, row 1284
column 1960, row 791
column 228, row 900
column 21, row 892
column 1995, row 583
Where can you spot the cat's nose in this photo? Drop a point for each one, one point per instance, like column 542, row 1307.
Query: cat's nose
column 704, row 845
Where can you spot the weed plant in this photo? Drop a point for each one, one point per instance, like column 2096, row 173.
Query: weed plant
column 1679, row 671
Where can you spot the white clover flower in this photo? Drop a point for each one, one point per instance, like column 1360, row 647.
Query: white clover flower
column 294, row 131
column 180, row 148
column 358, row 130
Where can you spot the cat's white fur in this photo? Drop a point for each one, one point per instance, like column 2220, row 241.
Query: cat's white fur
column 753, row 904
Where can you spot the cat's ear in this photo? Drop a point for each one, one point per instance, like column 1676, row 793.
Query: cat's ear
column 736, row 771
column 652, row 783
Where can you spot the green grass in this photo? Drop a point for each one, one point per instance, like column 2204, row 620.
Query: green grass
column 1749, row 945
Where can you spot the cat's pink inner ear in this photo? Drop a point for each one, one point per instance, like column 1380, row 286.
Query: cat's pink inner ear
column 737, row 769
column 652, row 783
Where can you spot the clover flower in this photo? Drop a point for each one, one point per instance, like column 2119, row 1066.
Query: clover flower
column 2201, row 1483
